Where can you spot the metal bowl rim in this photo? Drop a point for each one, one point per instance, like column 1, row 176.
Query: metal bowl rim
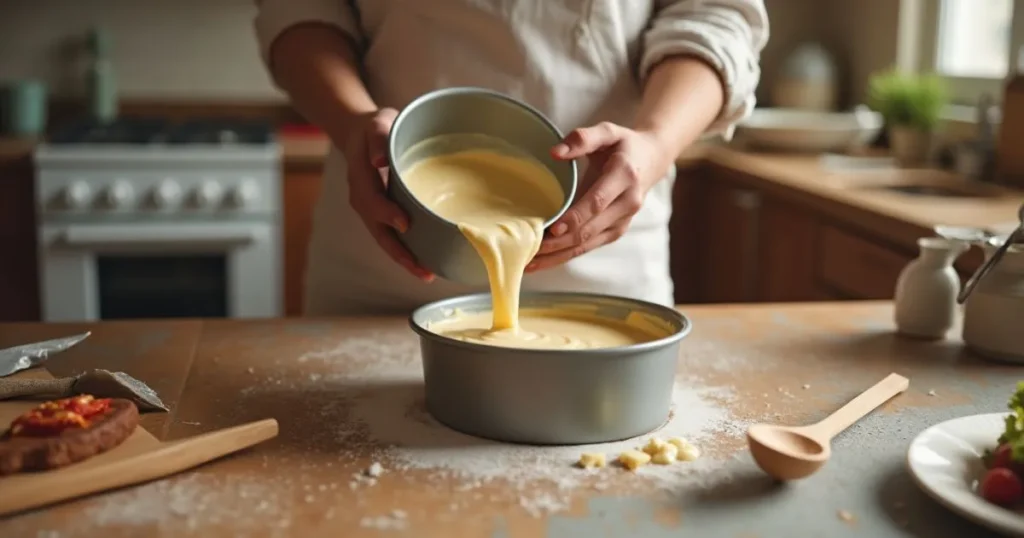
column 611, row 352
column 471, row 90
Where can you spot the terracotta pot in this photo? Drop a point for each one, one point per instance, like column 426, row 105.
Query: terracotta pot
column 910, row 146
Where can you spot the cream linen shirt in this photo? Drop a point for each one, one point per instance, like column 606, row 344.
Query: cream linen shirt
column 577, row 61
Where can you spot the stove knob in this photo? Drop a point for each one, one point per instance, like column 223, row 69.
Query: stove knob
column 119, row 194
column 77, row 195
column 166, row 194
column 245, row 193
column 208, row 195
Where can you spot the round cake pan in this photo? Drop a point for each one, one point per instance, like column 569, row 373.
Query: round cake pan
column 467, row 112
column 551, row 397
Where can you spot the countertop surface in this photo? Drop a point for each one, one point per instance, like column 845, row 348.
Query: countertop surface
column 348, row 393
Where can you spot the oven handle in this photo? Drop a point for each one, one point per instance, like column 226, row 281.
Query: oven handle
column 152, row 236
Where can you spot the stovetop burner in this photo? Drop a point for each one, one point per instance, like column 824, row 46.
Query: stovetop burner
column 157, row 131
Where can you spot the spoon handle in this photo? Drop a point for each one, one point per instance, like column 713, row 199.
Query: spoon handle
column 858, row 407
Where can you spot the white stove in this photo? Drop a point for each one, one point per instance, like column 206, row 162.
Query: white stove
column 145, row 218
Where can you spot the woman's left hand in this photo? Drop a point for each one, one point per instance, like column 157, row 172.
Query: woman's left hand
column 624, row 165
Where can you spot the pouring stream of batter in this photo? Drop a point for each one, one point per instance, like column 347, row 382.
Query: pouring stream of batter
column 500, row 202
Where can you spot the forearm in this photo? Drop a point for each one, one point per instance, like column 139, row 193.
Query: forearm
column 318, row 68
column 681, row 98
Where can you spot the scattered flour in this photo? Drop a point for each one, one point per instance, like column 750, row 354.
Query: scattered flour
column 376, row 403
column 388, row 522
column 187, row 503
column 386, row 414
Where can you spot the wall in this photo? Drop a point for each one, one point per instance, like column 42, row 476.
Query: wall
column 174, row 49
column 205, row 50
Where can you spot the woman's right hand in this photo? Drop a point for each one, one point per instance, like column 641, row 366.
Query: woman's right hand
column 366, row 153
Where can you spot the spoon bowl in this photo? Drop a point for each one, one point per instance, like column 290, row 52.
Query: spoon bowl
column 786, row 453
column 792, row 453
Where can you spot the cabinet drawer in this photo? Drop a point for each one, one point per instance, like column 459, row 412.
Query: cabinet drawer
column 858, row 267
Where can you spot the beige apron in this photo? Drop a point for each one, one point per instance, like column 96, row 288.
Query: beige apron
column 577, row 61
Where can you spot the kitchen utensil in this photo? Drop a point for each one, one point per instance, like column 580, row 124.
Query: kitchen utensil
column 791, row 453
column 99, row 383
column 807, row 131
column 551, row 396
column 140, row 458
column 437, row 243
column 993, row 260
column 22, row 357
column 945, row 462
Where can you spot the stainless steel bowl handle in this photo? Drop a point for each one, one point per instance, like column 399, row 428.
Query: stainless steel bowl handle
column 993, row 260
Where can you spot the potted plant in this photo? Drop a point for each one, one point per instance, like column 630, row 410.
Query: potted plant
column 912, row 106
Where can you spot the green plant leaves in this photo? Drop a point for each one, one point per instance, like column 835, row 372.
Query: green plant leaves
column 908, row 100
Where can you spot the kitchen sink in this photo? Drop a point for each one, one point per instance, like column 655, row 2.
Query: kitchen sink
column 942, row 191
column 921, row 183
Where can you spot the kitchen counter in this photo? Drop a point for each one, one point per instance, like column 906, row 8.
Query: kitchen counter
column 347, row 393
column 861, row 199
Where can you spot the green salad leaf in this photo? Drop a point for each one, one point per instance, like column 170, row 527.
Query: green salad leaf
column 1013, row 434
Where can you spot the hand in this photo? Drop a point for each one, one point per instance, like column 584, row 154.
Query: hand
column 624, row 165
column 366, row 153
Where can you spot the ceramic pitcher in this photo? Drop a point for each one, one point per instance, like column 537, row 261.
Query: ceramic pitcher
column 994, row 311
column 927, row 288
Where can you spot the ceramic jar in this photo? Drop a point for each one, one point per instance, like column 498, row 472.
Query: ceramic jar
column 806, row 80
column 994, row 311
column 926, row 289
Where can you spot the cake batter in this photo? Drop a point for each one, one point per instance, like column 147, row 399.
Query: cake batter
column 500, row 201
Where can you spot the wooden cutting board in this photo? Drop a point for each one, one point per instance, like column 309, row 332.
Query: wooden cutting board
column 140, row 458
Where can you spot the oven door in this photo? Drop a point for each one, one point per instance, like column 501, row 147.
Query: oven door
column 159, row 270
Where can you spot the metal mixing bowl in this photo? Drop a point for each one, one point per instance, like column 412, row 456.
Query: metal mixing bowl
column 437, row 243
column 545, row 397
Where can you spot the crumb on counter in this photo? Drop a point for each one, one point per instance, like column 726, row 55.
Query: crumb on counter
column 633, row 459
column 591, row 460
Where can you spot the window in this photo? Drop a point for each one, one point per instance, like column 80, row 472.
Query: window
column 973, row 43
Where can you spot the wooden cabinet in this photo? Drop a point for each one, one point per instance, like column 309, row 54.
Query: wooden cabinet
column 857, row 267
column 301, row 190
column 736, row 243
column 19, row 279
column 739, row 245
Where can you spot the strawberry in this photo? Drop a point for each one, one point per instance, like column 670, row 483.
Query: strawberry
column 1001, row 486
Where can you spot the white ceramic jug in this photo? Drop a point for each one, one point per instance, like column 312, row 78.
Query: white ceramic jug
column 994, row 311
column 927, row 288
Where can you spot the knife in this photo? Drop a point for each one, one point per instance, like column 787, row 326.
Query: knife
column 15, row 359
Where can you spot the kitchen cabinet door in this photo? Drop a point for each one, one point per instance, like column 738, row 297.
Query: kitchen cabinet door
column 787, row 253
column 729, row 250
column 301, row 190
column 685, row 230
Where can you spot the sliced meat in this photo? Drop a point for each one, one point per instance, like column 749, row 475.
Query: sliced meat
column 19, row 454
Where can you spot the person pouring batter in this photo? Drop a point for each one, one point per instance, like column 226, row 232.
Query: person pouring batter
column 633, row 82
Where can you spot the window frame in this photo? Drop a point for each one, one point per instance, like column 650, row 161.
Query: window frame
column 963, row 90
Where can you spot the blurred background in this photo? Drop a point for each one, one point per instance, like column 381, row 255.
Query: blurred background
column 149, row 169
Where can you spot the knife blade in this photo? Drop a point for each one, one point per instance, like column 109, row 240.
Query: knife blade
column 15, row 359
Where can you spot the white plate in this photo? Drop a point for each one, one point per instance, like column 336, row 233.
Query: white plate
column 945, row 461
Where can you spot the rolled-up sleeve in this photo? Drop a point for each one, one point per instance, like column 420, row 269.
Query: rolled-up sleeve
column 727, row 34
column 275, row 16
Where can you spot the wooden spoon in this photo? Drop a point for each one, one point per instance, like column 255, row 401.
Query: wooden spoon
column 791, row 453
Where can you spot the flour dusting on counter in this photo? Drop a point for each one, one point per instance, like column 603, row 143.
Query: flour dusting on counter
column 386, row 414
